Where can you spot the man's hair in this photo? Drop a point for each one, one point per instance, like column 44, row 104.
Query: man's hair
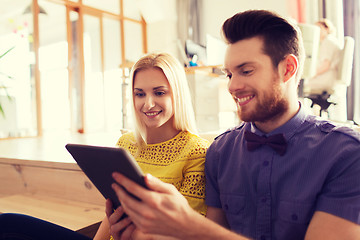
column 280, row 37
column 184, row 118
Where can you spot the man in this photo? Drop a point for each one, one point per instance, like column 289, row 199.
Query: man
column 280, row 175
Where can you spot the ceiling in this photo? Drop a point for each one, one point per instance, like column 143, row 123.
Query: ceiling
column 13, row 19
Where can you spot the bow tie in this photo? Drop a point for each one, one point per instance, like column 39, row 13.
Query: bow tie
column 277, row 142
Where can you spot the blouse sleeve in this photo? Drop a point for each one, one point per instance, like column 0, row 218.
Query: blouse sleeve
column 193, row 184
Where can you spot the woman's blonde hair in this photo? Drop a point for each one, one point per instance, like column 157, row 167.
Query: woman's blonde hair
column 184, row 119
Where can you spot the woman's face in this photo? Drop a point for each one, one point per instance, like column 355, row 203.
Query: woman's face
column 153, row 99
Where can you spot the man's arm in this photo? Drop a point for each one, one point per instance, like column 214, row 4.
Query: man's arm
column 164, row 211
column 327, row 226
column 217, row 215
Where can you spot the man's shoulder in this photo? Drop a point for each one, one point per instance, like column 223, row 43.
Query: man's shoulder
column 230, row 132
column 336, row 130
column 348, row 132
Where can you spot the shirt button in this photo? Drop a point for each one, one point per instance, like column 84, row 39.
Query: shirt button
column 226, row 207
column 262, row 237
column 263, row 200
column 294, row 217
column 265, row 163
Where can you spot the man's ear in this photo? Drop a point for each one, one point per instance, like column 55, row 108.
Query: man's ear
column 290, row 67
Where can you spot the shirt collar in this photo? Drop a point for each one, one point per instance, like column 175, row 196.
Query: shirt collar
column 288, row 129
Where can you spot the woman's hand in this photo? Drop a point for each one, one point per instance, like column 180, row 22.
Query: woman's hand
column 119, row 229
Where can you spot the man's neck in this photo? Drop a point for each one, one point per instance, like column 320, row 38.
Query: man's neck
column 280, row 120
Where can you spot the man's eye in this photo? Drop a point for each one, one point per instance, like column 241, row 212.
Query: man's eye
column 247, row 72
column 228, row 76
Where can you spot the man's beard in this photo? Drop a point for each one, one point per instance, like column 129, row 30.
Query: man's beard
column 272, row 105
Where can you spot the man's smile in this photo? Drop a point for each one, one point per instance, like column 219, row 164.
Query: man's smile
column 243, row 100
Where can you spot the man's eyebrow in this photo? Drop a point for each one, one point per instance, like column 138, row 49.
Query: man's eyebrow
column 236, row 67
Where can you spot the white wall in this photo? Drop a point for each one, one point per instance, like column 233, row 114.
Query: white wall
column 162, row 34
column 161, row 20
column 216, row 12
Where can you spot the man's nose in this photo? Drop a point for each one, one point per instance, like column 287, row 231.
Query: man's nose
column 235, row 84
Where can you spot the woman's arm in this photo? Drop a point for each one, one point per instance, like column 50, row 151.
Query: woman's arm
column 103, row 231
column 193, row 184
column 323, row 67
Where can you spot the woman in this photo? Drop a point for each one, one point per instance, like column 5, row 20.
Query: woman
column 328, row 58
column 163, row 143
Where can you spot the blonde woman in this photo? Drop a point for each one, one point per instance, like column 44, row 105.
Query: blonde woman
column 328, row 58
column 164, row 141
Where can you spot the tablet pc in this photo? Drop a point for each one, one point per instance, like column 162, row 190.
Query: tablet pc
column 98, row 163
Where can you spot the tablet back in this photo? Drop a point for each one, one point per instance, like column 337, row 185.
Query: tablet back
column 98, row 163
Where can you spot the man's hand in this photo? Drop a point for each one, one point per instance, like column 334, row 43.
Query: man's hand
column 163, row 210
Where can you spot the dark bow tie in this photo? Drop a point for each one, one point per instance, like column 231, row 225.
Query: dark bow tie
column 277, row 142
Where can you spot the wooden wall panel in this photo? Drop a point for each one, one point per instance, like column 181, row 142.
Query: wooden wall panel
column 43, row 179
column 11, row 181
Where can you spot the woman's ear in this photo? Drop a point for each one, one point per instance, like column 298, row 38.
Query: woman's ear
column 291, row 65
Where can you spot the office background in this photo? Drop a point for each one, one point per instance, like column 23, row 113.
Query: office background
column 68, row 64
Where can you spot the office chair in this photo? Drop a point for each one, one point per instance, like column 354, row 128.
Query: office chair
column 337, row 94
column 311, row 39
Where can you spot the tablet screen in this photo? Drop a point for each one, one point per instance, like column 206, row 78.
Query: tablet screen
column 98, row 164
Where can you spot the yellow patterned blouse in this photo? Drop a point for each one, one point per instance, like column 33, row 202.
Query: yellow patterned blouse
column 179, row 161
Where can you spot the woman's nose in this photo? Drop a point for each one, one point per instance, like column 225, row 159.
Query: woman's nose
column 149, row 102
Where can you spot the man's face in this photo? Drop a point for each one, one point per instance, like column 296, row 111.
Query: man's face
column 254, row 83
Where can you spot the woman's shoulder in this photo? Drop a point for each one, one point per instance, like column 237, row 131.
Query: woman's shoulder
column 128, row 137
column 331, row 41
column 196, row 140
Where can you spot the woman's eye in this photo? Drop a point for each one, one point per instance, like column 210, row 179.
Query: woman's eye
column 159, row 93
column 139, row 94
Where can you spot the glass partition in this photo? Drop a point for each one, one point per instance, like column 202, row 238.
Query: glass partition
column 17, row 102
column 67, row 68
column 93, row 85
column 133, row 41
column 53, row 66
column 113, row 83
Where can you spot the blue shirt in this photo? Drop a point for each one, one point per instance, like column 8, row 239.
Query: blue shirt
column 268, row 196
